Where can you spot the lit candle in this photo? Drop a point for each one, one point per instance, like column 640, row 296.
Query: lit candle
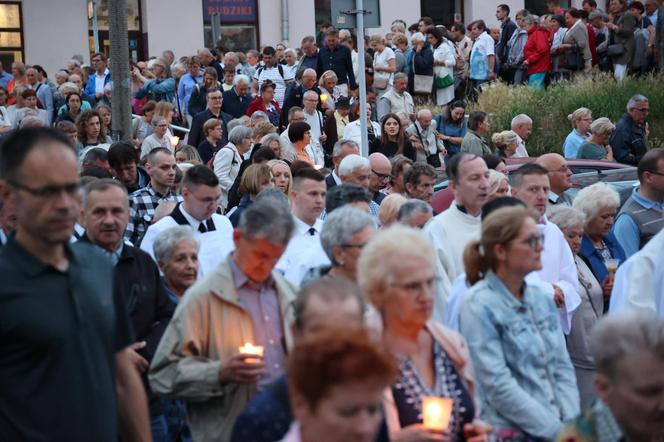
column 174, row 141
column 250, row 349
column 436, row 412
column 323, row 98
column 611, row 267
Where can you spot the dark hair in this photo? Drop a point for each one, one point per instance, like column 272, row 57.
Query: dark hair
column 453, row 167
column 16, row 147
column 92, row 155
column 427, row 21
column 96, row 172
column 584, row 15
column 636, row 5
column 649, row 162
column 559, row 18
column 499, row 203
column 297, row 130
column 475, row 118
column 480, row 25
column 591, row 3
column 100, row 54
column 68, row 96
column 448, row 112
column 100, row 185
column 267, row 84
column 199, row 175
column 437, row 33
column 575, row 13
column 307, row 173
column 211, row 71
column 41, row 70
column 525, row 170
column 148, row 106
column 152, row 155
column 412, row 175
column 401, row 137
column 82, row 123
column 504, row 8
column 414, row 27
column 458, row 27
column 339, row 196
column 492, row 160
column 262, row 155
column 337, row 289
column 121, row 153
column 28, row 93
column 269, row 50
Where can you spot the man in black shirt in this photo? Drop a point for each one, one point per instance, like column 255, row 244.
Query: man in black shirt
column 67, row 369
column 337, row 58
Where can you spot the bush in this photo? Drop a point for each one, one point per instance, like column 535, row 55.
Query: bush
column 549, row 108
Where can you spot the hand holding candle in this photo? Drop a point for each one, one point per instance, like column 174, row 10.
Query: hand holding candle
column 436, row 412
column 611, row 267
column 250, row 349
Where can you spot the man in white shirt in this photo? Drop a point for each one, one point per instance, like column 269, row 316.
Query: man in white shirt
column 522, row 125
column 314, row 118
column 482, row 56
column 451, row 230
column 353, row 132
column 308, row 201
column 201, row 193
column 274, row 72
column 530, row 183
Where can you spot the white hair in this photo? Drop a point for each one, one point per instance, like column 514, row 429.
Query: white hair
column 290, row 51
column 351, row 163
column 602, row 126
column 631, row 104
column 166, row 240
column 565, row 216
column 418, row 36
column 520, row 119
column 68, row 85
column 590, row 200
column 240, row 78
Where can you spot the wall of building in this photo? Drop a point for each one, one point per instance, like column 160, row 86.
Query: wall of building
column 173, row 24
column 483, row 10
column 53, row 31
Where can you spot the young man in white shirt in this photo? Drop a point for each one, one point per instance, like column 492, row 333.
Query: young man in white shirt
column 274, row 72
column 482, row 56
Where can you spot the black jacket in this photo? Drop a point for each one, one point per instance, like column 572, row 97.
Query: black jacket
column 628, row 141
column 507, row 29
column 198, row 99
column 338, row 60
column 235, row 105
column 196, row 135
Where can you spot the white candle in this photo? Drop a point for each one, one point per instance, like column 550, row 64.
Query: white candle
column 436, row 412
column 250, row 349
column 323, row 98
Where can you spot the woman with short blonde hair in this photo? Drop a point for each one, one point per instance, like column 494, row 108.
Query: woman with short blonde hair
column 597, row 146
column 506, row 142
column 389, row 208
column 581, row 120
column 255, row 178
column 281, row 173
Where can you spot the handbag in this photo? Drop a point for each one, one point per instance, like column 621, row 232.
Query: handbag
column 615, row 49
column 574, row 59
column 443, row 82
column 380, row 82
column 422, row 84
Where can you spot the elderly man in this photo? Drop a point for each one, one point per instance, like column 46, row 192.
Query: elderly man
column 355, row 169
column 453, row 229
column 232, row 60
column 215, row 102
column 235, row 101
column 242, row 301
column 381, row 169
column 160, row 165
column 65, row 335
column 530, row 184
column 296, row 95
column 314, row 118
column 200, row 194
column 341, row 150
column 208, row 60
column 559, row 177
column 137, row 280
column 295, row 115
column 630, row 139
column 419, row 180
column 522, row 125
column 422, row 133
column 627, row 348
column 397, row 99
column 309, row 58
column 414, row 213
column 642, row 215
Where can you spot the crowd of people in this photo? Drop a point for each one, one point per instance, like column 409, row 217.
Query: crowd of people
column 236, row 270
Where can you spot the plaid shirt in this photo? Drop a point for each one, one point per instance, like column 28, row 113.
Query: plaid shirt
column 142, row 205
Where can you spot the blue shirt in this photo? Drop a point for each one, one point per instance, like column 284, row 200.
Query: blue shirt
column 626, row 230
column 5, row 77
column 572, row 144
column 186, row 86
column 594, row 257
column 525, row 378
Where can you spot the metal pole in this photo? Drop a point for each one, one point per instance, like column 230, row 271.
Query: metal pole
column 216, row 31
column 364, row 140
column 121, row 102
column 95, row 27
column 285, row 23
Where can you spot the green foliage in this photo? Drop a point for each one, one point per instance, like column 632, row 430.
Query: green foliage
column 549, row 108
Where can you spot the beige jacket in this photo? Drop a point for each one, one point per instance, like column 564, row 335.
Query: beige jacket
column 457, row 350
column 208, row 326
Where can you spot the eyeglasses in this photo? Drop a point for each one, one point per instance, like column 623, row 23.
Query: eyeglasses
column 418, row 286
column 534, row 241
column 654, row 172
column 381, row 176
column 353, row 246
column 48, row 192
column 563, row 169
column 642, row 109
column 214, row 98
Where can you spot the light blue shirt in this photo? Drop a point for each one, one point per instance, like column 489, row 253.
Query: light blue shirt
column 526, row 380
column 626, row 230
column 185, row 88
column 572, row 144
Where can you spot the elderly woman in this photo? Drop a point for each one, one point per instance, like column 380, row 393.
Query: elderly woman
column 581, row 120
column 273, row 142
column 255, row 178
column 513, row 332
column 499, row 185
column 389, row 209
column 422, row 65
column 160, row 137
column 384, row 64
column 517, row 41
column 283, row 178
column 536, row 56
column 228, row 159
column 300, row 136
column 599, row 247
column 622, row 33
column 505, row 142
column 433, row 360
column 596, row 146
column 176, row 251
column 160, row 88
column 400, row 165
column 265, row 102
column 343, row 401
column 329, row 91
column 142, row 127
column 571, row 222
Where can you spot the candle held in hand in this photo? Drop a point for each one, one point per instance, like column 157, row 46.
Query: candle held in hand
column 323, row 98
column 436, row 412
column 250, row 349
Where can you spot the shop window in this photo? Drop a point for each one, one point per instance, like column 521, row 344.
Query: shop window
column 238, row 21
column 442, row 12
column 538, row 7
column 11, row 34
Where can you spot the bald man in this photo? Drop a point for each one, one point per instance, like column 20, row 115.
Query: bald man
column 381, row 169
column 295, row 95
column 559, row 177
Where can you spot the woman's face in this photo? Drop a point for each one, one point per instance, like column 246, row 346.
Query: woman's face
column 330, row 82
column 603, row 138
column 209, row 81
column 31, row 102
column 15, row 71
column 510, row 150
column 245, row 145
column 457, row 114
column 281, row 174
column 275, row 146
column 93, row 128
column 501, row 190
column 350, row 253
column 148, row 115
column 408, row 297
column 397, row 181
column 268, row 95
column 583, row 124
column 181, row 269
column 216, row 133
column 160, row 129
column 180, row 157
column 105, row 117
column 433, row 41
column 392, row 127
column 194, row 70
column 169, row 117
column 573, row 236
column 600, row 225
column 522, row 255
column 349, row 412
column 74, row 103
column 501, row 167
column 3, row 97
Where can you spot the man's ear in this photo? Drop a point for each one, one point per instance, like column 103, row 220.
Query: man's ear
column 603, row 385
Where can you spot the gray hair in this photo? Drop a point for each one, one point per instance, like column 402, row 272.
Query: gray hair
column 68, row 85
column 598, row 14
column 31, row 121
column 235, row 122
column 60, row 74
column 631, row 104
column 259, row 115
column 239, row 133
column 351, row 163
column 290, row 51
column 521, row 118
column 565, row 216
column 530, row 20
column 308, row 39
column 418, row 36
column 310, row 93
column 618, row 335
column 412, row 207
column 166, row 240
column 269, row 219
column 267, row 139
column 590, row 200
column 274, row 194
column 156, row 120
column 400, row 76
column 240, row 78
column 602, row 125
column 338, row 146
column 341, row 225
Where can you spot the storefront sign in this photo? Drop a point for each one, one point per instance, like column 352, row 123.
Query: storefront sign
column 231, row 11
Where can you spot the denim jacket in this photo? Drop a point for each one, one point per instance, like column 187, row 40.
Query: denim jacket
column 524, row 374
